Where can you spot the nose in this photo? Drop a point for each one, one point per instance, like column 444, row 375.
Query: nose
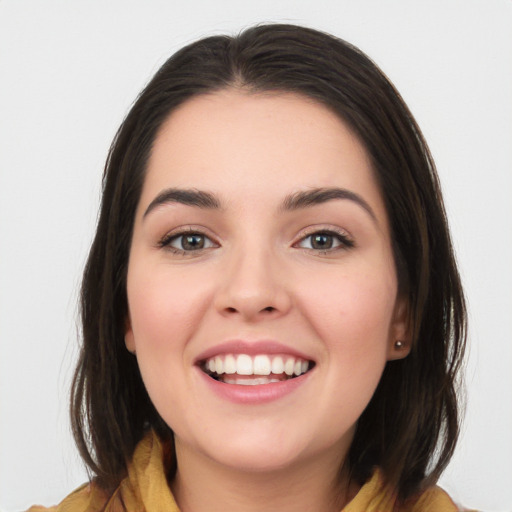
column 253, row 287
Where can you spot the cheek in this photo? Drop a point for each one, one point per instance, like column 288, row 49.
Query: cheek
column 352, row 313
column 359, row 302
column 163, row 306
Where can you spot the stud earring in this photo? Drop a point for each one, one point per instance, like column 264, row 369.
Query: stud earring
column 399, row 345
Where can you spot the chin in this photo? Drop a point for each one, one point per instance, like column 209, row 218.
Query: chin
column 247, row 450
column 255, row 459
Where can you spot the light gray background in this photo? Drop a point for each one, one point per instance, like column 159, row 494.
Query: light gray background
column 69, row 71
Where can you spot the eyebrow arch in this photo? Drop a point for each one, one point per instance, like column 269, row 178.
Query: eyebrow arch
column 296, row 201
column 189, row 197
column 316, row 196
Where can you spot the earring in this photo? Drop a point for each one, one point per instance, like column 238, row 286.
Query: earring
column 399, row 345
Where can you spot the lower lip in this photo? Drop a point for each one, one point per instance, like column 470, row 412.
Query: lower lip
column 258, row 394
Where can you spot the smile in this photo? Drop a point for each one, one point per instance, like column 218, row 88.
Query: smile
column 261, row 369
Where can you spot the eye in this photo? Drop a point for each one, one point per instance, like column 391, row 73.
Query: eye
column 187, row 242
column 325, row 241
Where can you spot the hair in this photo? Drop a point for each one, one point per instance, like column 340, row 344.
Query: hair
column 410, row 427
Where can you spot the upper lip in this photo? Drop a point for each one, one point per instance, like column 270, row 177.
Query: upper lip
column 251, row 348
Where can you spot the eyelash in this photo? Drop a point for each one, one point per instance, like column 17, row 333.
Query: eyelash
column 168, row 239
column 341, row 238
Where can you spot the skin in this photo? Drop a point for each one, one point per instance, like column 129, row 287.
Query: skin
column 259, row 276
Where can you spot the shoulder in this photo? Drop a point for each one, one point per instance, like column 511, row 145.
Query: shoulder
column 375, row 496
column 87, row 498
column 433, row 499
column 144, row 487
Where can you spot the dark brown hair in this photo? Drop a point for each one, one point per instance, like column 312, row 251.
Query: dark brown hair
column 410, row 427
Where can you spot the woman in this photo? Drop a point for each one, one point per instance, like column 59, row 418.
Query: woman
column 272, row 315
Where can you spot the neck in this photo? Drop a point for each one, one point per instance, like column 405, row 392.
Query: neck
column 203, row 484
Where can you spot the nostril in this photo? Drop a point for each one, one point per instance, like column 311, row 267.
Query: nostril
column 249, row 311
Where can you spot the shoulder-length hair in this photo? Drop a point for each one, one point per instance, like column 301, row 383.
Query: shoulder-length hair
column 410, row 427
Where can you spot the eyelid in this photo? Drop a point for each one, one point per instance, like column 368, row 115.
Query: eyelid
column 345, row 239
column 165, row 241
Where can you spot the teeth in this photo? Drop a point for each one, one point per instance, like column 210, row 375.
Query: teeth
column 257, row 381
column 277, row 365
column 262, row 365
column 289, row 366
column 230, row 366
column 219, row 365
column 244, row 365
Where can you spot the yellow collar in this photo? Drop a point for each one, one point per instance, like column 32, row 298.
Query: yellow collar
column 145, row 489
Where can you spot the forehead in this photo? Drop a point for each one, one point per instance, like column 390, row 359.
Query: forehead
column 232, row 142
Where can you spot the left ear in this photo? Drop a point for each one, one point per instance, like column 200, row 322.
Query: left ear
column 400, row 338
column 129, row 339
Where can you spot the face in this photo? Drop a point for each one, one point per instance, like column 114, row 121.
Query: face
column 262, row 288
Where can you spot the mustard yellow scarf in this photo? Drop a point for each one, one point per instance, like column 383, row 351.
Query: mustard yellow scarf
column 145, row 489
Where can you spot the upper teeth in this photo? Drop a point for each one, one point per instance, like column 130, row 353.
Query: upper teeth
column 243, row 364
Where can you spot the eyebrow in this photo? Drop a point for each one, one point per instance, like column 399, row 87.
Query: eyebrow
column 189, row 197
column 296, row 201
column 316, row 196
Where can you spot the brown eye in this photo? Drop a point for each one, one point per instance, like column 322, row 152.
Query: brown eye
column 325, row 241
column 192, row 242
column 322, row 241
column 188, row 242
